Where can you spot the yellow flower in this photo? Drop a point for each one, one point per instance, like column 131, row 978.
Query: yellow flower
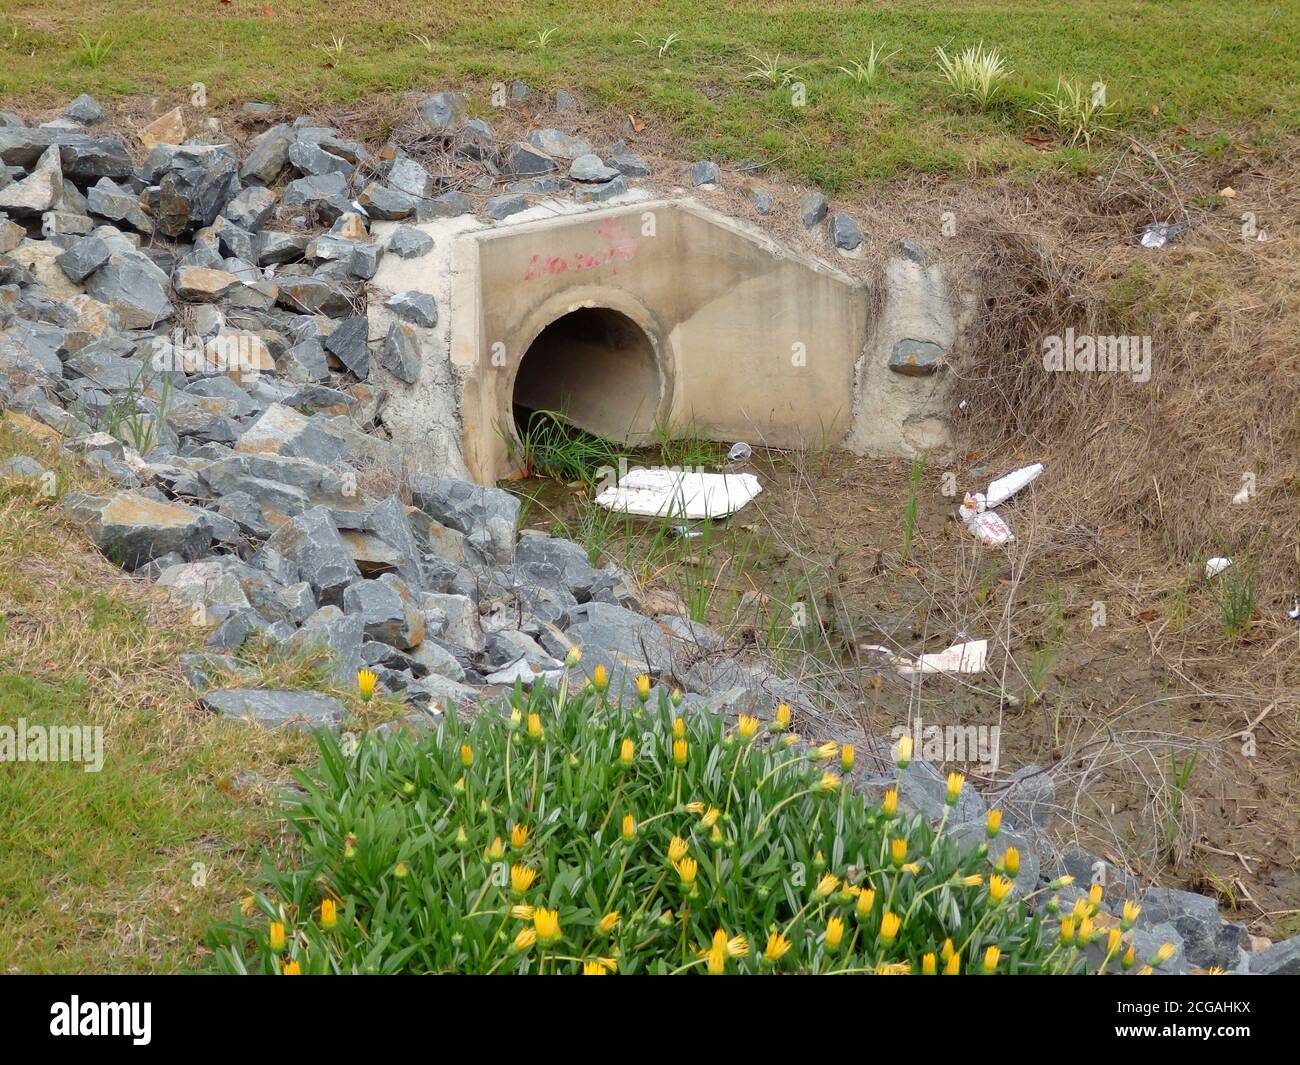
column 1114, row 940
column 610, row 963
column 890, row 923
column 679, row 728
column 1067, row 929
column 827, row 884
column 400, row 870
column 738, row 947
column 466, row 754
column 1130, row 914
column 496, row 850
column 911, row 868
column 946, row 951
column 826, row 751
column 777, row 946
column 846, row 757
column 1166, row 951
column 521, row 912
column 952, row 967
column 1011, row 861
column 991, row 957
column 929, row 964
column 677, row 848
column 1129, row 956
column 710, row 817
column 1086, row 932
column 993, row 823
column 573, row 657
column 594, row 968
column 898, row 851
column 1081, row 909
column 782, row 719
column 1094, row 896
column 521, row 878
column 524, row 940
column 955, row 783
column 1060, row 882
column 903, row 753
column 366, row 681
column 866, row 899
column 834, row 933
column 292, row 968
column 329, row 914
column 974, row 880
column 717, row 961
column 746, row 726
column 277, row 936
column 535, row 729
column 547, row 923
column 890, row 802
column 893, row 968
column 679, row 752
column 518, row 836
column 686, row 870
column 600, row 678
column 643, row 687
column 999, row 887
column 676, row 697
column 830, row 781
column 629, row 828
column 609, row 922
column 627, row 752
column 695, row 808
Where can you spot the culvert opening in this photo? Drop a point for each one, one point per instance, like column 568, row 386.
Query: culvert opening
column 598, row 369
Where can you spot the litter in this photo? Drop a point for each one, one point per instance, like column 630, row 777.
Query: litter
column 989, row 529
column 740, row 452
column 1215, row 566
column 1294, row 612
column 679, row 494
column 1005, row 487
column 984, row 525
column 520, row 670
column 1158, row 234
column 970, row 656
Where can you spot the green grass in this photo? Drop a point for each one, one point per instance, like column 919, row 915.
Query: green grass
column 1230, row 68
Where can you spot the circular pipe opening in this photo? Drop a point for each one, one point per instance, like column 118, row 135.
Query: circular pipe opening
column 597, row 368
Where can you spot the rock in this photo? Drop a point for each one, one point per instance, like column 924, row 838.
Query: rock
column 387, row 611
column 314, row 295
column 110, row 200
column 272, row 247
column 487, row 516
column 476, row 141
column 83, row 258
column 407, row 242
column 250, row 208
column 630, row 165
column 386, row 203
column 418, row 308
column 65, row 224
column 131, row 528
column 408, row 176
column 11, row 235
column 1207, row 938
column 812, row 209
column 82, row 157
column 21, row 468
column 591, row 168
column 705, row 172
column 269, row 157
column 40, row 191
column 332, row 639
column 311, row 541
column 400, row 355
column 192, row 196
column 845, row 234
column 558, row 144
column 86, row 110
column 442, row 110
column 325, row 194
column 601, row 193
column 205, row 670
column 917, row 358
column 300, row 711
column 283, row 431
column 1030, row 797
column 914, row 251
column 350, row 344
column 305, row 362
column 166, row 129
column 312, row 160
column 524, row 160
column 568, row 561
column 499, row 207
column 1281, row 959
column 448, row 205
column 201, row 285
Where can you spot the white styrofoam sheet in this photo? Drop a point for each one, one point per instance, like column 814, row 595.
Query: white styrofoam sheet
column 680, row 494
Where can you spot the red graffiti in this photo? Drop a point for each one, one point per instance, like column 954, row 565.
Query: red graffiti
column 618, row 247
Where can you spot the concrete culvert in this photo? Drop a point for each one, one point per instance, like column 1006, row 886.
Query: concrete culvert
column 598, row 368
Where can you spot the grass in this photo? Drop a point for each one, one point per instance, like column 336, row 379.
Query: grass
column 974, row 74
column 1226, row 67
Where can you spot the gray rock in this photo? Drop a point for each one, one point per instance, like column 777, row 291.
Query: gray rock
column 21, row 468
column 844, row 232
column 761, row 200
column 558, row 144
column 812, row 209
column 499, row 207
column 192, row 196
column 332, row 639
column 630, row 165
column 601, row 193
column 913, row 251
column 387, row 610
column 487, row 516
column 81, row 157
column 250, row 208
column 1030, row 797
column 301, row 711
column 1207, row 938
column 408, row 176
column 971, row 835
column 917, row 358
column 418, row 308
column 1281, row 959
column 311, row 541
column 83, row 258
column 386, row 203
column 448, row 205
column 311, row 160
column 86, row 110
column 40, row 191
column 476, row 141
column 133, row 287
column 568, row 561
column 705, row 172
column 565, row 101
column 525, row 160
column 326, row 194
column 284, row 431
column 131, row 528
column 591, row 168
column 269, row 157
column 408, row 242
column 400, row 355
column 272, row 247
column 315, row 295
column 350, row 344
column 442, row 110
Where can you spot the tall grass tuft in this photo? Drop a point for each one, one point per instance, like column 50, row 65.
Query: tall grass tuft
column 975, row 73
